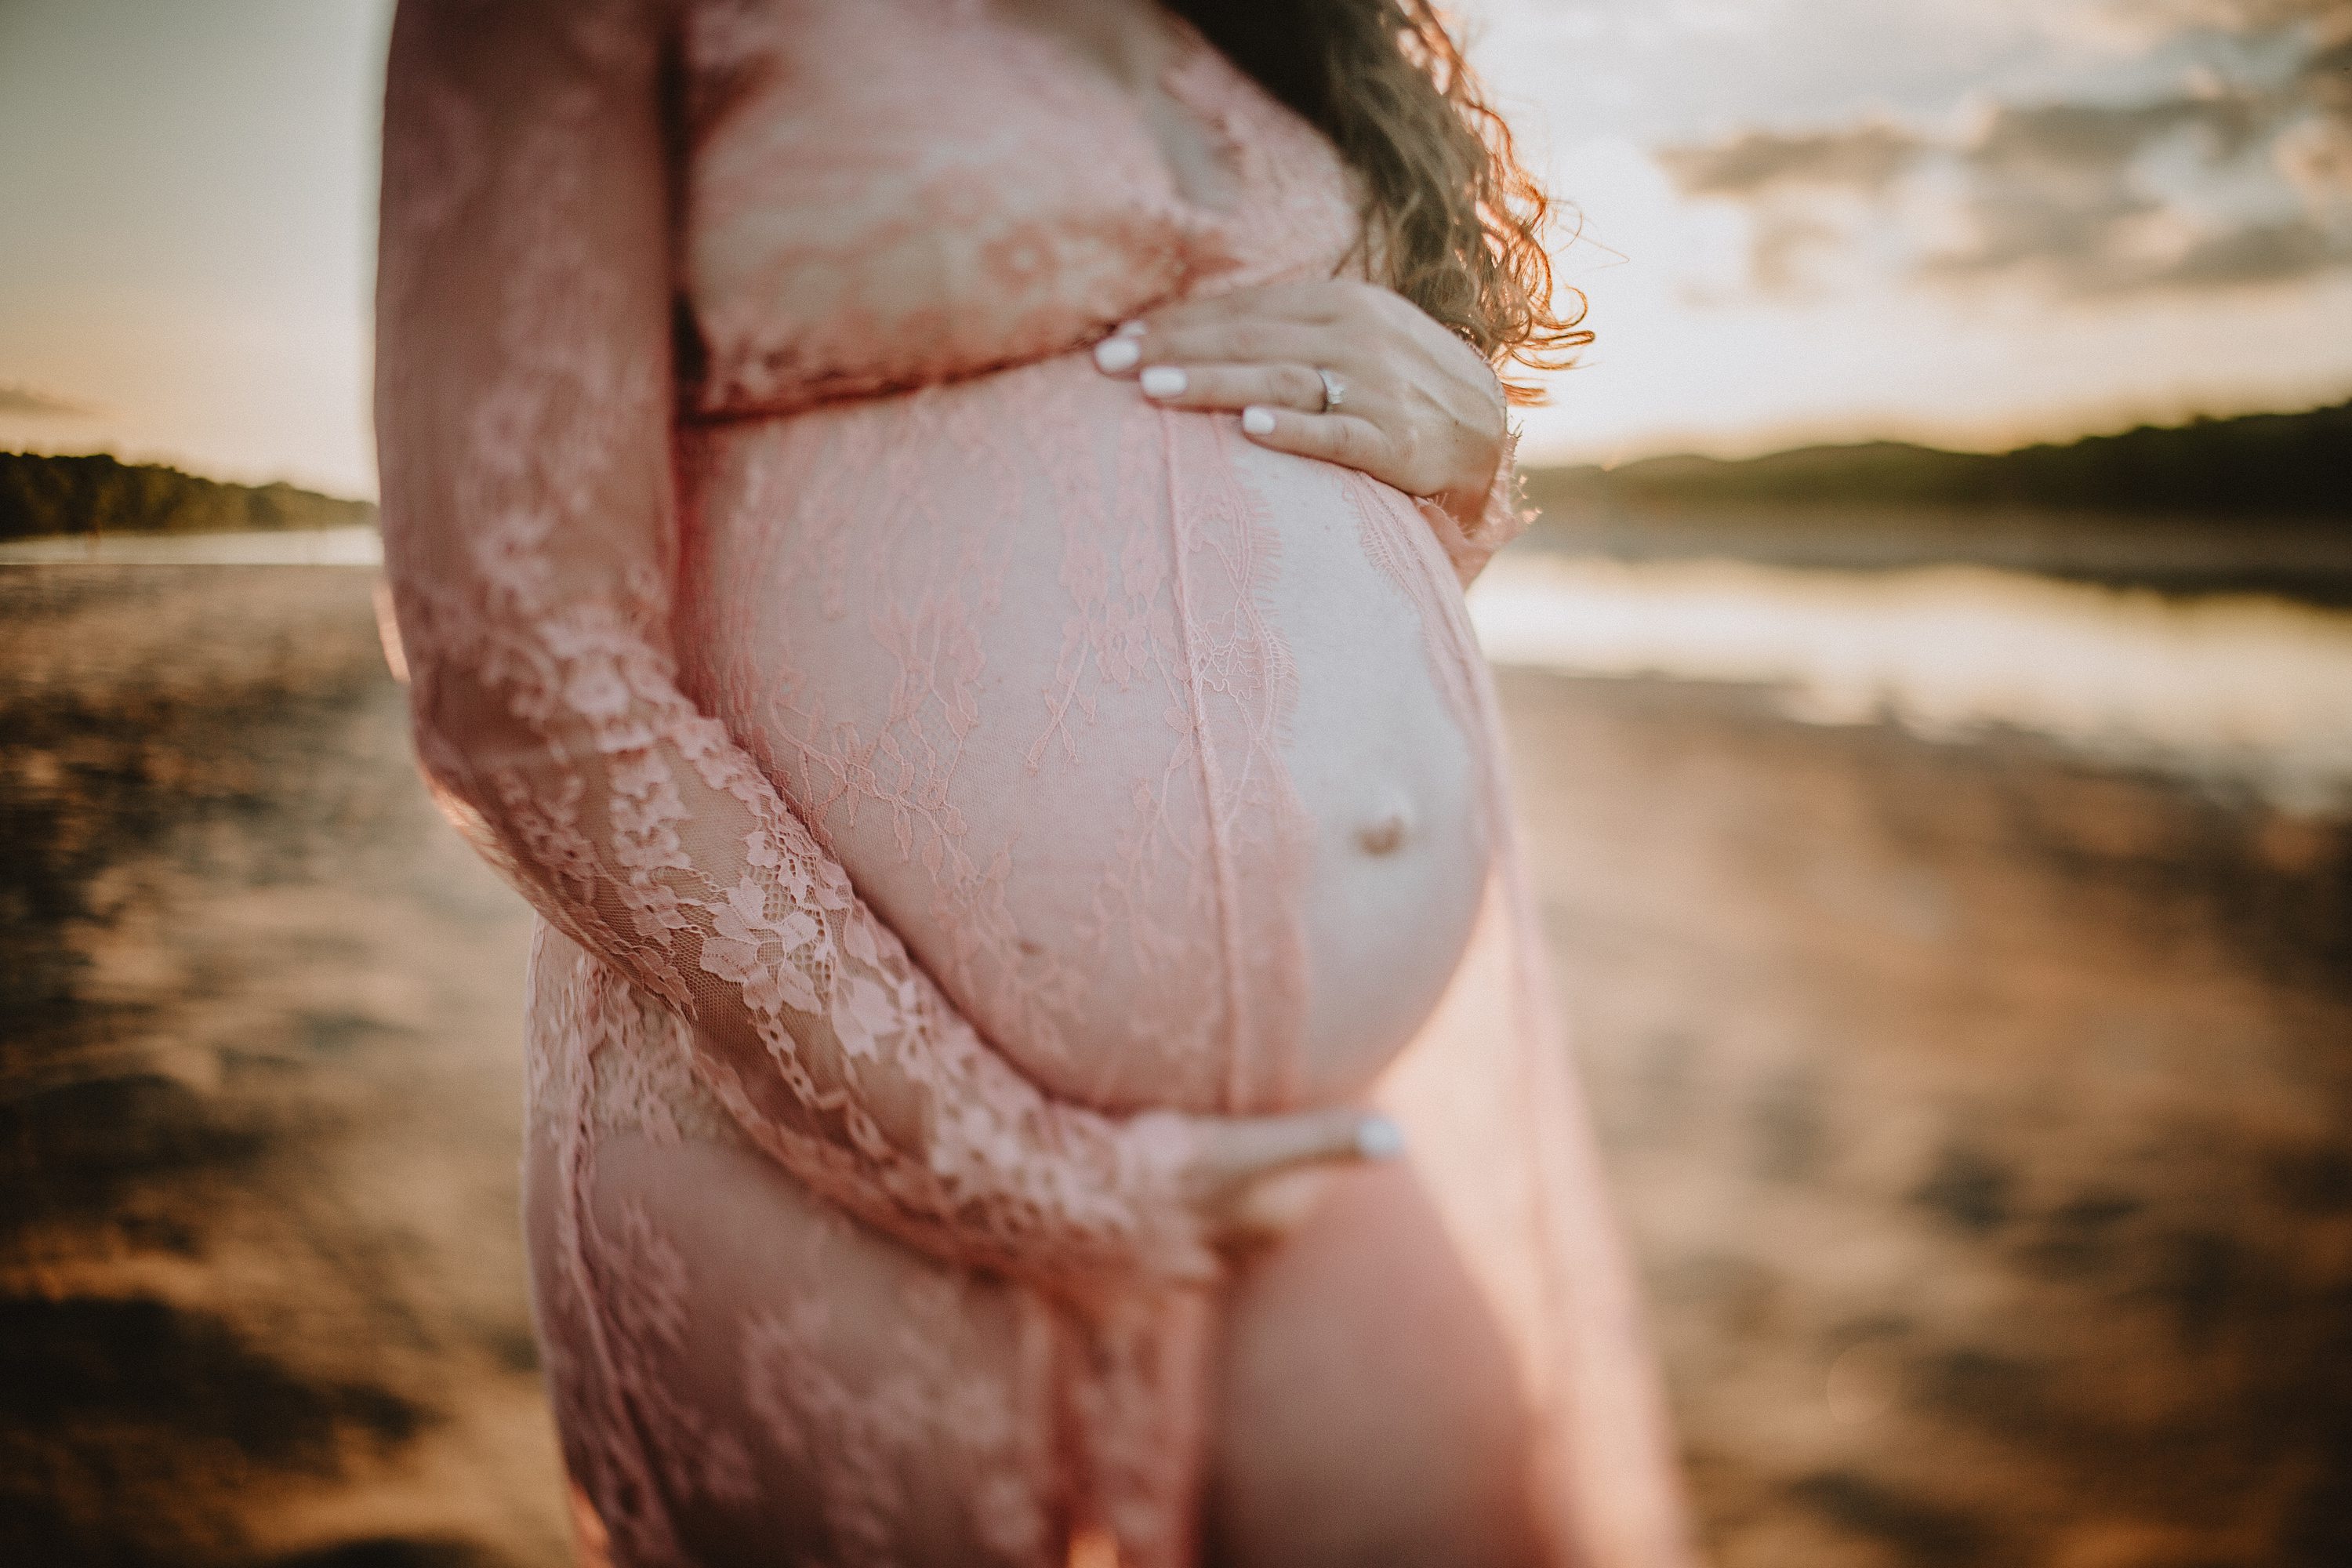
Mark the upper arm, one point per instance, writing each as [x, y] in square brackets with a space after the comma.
[523, 396]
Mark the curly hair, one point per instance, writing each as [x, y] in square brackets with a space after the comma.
[1452, 219]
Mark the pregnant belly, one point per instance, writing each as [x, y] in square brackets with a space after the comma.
[1132, 729]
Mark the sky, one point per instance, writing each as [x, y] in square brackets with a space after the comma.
[187, 251]
[1969, 221]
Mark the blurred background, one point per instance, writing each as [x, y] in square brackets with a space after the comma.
[1930, 687]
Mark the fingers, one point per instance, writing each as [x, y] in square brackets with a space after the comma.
[1233, 387]
[1253, 340]
[1424, 420]
[1312, 321]
[1235, 1152]
[1342, 439]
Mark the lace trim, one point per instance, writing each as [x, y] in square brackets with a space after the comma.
[1503, 518]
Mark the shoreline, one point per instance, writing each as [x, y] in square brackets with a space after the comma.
[354, 544]
[2308, 561]
[2300, 562]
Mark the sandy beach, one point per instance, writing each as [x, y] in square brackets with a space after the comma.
[1979, 1109]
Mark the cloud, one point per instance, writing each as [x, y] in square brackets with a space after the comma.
[1866, 157]
[2221, 185]
[2317, 154]
[2217, 156]
[2271, 253]
[2095, 199]
[2106, 137]
[24, 402]
[2247, 15]
[2220, 189]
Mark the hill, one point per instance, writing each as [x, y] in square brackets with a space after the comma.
[43, 497]
[2294, 466]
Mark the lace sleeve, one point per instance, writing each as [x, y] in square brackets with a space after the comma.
[523, 419]
[1504, 517]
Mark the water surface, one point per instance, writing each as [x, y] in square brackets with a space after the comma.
[2242, 691]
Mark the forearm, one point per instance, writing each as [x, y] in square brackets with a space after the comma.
[656, 844]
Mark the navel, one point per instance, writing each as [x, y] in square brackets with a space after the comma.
[1384, 834]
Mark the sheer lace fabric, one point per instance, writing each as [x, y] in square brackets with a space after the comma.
[872, 1250]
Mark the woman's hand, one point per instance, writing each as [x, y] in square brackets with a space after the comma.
[1417, 407]
[1249, 1180]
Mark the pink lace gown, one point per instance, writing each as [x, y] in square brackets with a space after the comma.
[940, 773]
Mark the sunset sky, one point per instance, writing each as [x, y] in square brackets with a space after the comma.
[1967, 221]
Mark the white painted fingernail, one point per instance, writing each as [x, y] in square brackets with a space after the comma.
[1259, 421]
[1377, 1138]
[1129, 329]
[1163, 381]
[1117, 353]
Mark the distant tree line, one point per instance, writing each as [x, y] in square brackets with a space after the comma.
[2263, 465]
[47, 496]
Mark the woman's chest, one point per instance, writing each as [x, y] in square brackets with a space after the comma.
[888, 194]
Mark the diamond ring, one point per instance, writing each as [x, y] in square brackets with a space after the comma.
[1335, 391]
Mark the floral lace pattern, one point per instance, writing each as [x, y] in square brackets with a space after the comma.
[1157, 963]
[933, 1296]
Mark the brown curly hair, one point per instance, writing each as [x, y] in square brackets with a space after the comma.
[1455, 219]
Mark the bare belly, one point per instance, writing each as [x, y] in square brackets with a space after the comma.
[1129, 729]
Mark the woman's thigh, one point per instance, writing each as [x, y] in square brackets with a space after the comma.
[1368, 1411]
[798, 1386]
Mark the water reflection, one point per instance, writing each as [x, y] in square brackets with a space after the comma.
[2234, 692]
[355, 546]
[2237, 692]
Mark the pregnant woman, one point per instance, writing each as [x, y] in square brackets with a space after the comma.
[929, 538]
